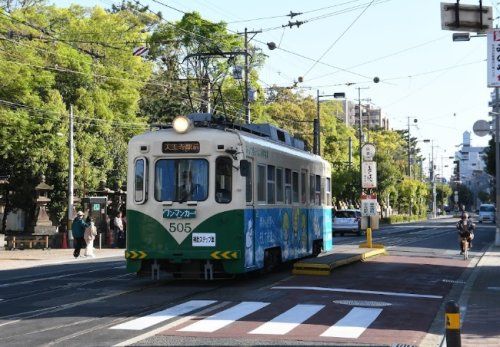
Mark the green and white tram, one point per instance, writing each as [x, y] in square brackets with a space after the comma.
[209, 198]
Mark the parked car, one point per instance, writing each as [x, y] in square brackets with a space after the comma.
[346, 221]
[486, 213]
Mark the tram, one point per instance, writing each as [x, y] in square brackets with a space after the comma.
[208, 198]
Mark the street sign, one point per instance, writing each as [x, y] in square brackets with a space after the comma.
[369, 205]
[493, 55]
[368, 151]
[470, 18]
[481, 128]
[369, 174]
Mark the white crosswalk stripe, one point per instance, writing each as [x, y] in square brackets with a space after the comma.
[354, 323]
[351, 326]
[288, 320]
[226, 317]
[158, 317]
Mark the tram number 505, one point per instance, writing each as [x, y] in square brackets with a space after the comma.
[179, 227]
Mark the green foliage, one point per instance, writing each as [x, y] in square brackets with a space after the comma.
[83, 68]
[403, 218]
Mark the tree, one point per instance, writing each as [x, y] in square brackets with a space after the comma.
[66, 66]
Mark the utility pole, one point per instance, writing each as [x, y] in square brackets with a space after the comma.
[497, 165]
[409, 150]
[317, 128]
[433, 178]
[247, 72]
[70, 177]
[360, 133]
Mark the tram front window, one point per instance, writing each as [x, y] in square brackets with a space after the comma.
[181, 180]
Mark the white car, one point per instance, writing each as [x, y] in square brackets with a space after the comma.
[486, 213]
[346, 221]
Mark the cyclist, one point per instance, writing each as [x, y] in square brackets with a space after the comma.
[465, 230]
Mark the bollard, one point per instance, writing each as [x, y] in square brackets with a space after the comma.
[100, 240]
[369, 240]
[64, 241]
[452, 321]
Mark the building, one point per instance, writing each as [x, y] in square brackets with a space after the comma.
[372, 116]
[471, 167]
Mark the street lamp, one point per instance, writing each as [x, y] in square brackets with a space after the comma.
[317, 122]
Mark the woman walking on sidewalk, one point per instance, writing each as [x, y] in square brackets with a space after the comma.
[89, 236]
[78, 230]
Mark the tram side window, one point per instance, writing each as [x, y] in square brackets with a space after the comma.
[328, 191]
[140, 195]
[317, 197]
[303, 187]
[246, 171]
[288, 186]
[271, 184]
[279, 185]
[261, 183]
[295, 186]
[223, 180]
[312, 189]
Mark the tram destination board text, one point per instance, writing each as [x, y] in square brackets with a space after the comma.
[181, 147]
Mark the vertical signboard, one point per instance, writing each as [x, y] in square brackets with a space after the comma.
[494, 58]
[369, 174]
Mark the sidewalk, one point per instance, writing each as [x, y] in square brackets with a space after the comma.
[19, 259]
[481, 315]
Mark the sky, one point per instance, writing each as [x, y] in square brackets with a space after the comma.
[423, 74]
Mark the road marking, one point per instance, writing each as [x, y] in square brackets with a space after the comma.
[288, 320]
[359, 291]
[226, 317]
[354, 323]
[161, 316]
[171, 325]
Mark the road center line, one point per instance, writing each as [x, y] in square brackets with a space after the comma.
[359, 291]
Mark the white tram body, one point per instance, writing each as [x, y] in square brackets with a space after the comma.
[223, 199]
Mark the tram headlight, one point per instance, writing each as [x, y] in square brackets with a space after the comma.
[182, 124]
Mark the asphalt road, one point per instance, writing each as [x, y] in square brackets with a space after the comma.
[389, 300]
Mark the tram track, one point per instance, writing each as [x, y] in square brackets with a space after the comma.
[124, 314]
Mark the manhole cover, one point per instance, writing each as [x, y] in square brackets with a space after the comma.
[362, 303]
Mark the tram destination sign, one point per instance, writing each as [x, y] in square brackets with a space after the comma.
[181, 147]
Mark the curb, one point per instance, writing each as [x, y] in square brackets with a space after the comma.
[318, 269]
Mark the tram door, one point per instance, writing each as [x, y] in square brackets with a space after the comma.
[304, 200]
[247, 172]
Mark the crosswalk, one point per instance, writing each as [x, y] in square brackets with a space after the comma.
[350, 326]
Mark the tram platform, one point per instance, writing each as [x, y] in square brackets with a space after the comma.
[340, 255]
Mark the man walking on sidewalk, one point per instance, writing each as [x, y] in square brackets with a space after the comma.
[78, 229]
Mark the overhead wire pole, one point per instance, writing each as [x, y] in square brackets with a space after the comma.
[247, 70]
[70, 177]
[497, 165]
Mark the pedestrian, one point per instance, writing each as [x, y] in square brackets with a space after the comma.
[119, 232]
[465, 229]
[78, 230]
[89, 236]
